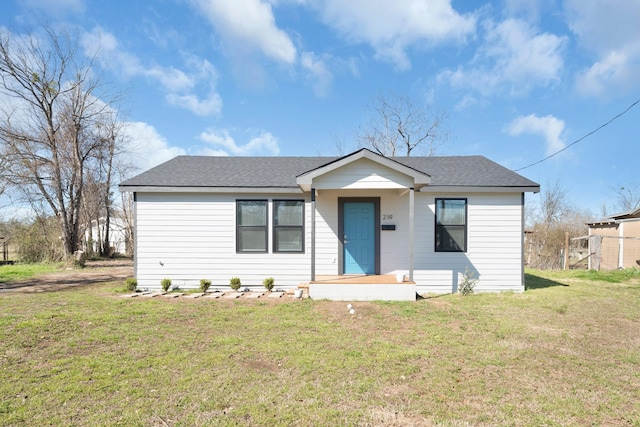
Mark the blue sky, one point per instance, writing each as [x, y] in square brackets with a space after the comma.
[517, 79]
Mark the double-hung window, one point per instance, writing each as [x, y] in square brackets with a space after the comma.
[288, 226]
[451, 225]
[251, 224]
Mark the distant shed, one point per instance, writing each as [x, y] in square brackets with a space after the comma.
[618, 242]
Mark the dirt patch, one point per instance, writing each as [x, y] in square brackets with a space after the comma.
[94, 272]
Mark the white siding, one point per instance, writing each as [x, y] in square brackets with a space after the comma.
[188, 237]
[362, 174]
[327, 233]
[494, 245]
[494, 240]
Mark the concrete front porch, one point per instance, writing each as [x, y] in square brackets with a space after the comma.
[384, 287]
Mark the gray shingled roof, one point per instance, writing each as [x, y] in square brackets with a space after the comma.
[281, 172]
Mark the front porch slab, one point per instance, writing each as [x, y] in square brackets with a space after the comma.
[362, 288]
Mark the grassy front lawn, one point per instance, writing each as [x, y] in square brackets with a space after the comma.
[565, 352]
[26, 271]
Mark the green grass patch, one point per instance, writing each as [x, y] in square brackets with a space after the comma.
[610, 276]
[26, 271]
[565, 352]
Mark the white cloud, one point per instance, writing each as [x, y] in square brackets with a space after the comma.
[183, 94]
[514, 57]
[263, 144]
[181, 86]
[248, 25]
[391, 27]
[201, 107]
[318, 71]
[145, 147]
[610, 29]
[548, 127]
[617, 68]
[169, 77]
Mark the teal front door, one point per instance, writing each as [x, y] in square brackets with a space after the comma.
[359, 238]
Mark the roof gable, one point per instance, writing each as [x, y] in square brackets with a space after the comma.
[416, 178]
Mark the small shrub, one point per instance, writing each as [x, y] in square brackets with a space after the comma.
[235, 283]
[131, 284]
[204, 285]
[468, 283]
[166, 284]
[268, 283]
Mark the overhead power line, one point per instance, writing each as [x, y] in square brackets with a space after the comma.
[583, 137]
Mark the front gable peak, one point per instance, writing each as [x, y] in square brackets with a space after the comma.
[363, 169]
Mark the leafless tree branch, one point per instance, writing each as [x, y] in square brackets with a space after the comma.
[400, 127]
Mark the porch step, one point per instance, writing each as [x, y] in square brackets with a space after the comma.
[363, 291]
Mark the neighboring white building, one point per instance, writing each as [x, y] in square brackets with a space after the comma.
[302, 219]
[96, 231]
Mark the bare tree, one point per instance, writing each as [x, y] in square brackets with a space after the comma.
[127, 219]
[50, 130]
[4, 165]
[627, 197]
[340, 145]
[400, 126]
[554, 203]
[555, 217]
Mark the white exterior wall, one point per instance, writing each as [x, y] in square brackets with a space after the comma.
[188, 237]
[494, 245]
[327, 233]
[494, 239]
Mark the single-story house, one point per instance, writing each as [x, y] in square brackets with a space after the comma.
[618, 243]
[320, 221]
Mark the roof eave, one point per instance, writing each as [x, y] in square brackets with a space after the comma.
[479, 189]
[209, 189]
